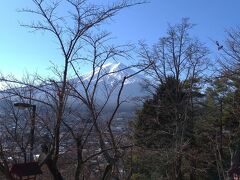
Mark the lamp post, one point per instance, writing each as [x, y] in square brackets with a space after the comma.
[33, 118]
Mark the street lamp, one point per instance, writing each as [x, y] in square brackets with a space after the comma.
[33, 118]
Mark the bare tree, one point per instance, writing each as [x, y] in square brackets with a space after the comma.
[72, 32]
[97, 86]
[84, 18]
[230, 52]
[183, 58]
[229, 58]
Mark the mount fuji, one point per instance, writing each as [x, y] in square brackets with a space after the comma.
[107, 81]
[109, 78]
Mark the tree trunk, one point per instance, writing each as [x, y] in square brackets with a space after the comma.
[54, 170]
[78, 171]
[178, 171]
[79, 161]
[106, 174]
[193, 172]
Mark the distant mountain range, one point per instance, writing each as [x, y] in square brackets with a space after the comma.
[112, 76]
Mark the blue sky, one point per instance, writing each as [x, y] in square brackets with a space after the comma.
[21, 51]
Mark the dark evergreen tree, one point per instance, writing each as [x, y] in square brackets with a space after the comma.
[165, 124]
[161, 119]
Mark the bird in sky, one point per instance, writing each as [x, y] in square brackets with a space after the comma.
[219, 46]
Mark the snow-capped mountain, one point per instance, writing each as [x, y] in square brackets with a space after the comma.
[114, 72]
[110, 77]
[107, 80]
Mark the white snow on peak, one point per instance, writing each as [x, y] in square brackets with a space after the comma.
[113, 67]
[113, 73]
[111, 76]
[117, 67]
